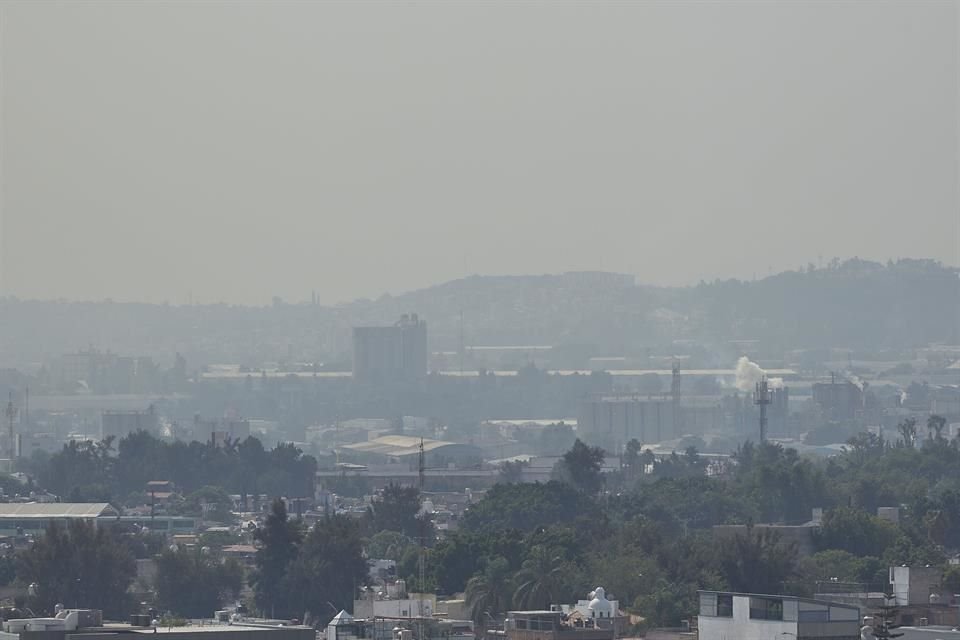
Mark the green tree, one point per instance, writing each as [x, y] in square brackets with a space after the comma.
[863, 447]
[194, 584]
[328, 570]
[464, 553]
[397, 508]
[279, 542]
[540, 579]
[756, 561]
[855, 531]
[632, 460]
[216, 540]
[842, 566]
[951, 579]
[211, 502]
[8, 569]
[667, 603]
[79, 465]
[81, 566]
[935, 425]
[511, 472]
[388, 545]
[908, 432]
[488, 593]
[580, 468]
[529, 506]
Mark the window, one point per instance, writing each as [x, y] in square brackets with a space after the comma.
[724, 605]
[814, 615]
[766, 609]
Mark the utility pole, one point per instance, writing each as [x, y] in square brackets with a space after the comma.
[423, 541]
[761, 398]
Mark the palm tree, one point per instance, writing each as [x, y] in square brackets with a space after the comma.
[908, 431]
[936, 424]
[488, 593]
[539, 580]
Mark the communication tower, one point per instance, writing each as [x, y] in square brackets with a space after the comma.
[675, 398]
[421, 560]
[11, 414]
[761, 398]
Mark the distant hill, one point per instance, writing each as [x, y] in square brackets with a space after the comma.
[860, 304]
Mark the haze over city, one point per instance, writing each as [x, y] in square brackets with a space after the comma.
[472, 320]
[239, 151]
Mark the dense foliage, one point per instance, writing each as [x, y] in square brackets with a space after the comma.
[648, 538]
[194, 582]
[80, 565]
[308, 575]
[645, 533]
[99, 471]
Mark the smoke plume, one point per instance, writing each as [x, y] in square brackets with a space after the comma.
[749, 373]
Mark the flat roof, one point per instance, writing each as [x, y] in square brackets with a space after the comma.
[28, 510]
[928, 633]
[227, 373]
[827, 603]
[221, 628]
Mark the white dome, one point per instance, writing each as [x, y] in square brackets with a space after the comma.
[600, 605]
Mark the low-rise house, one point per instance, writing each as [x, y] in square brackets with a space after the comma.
[750, 616]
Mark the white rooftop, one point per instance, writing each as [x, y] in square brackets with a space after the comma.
[29, 510]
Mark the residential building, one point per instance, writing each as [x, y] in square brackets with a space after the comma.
[839, 400]
[120, 424]
[378, 603]
[344, 626]
[87, 624]
[748, 616]
[915, 585]
[553, 625]
[392, 354]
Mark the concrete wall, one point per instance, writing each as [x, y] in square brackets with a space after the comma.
[742, 627]
[617, 421]
[913, 585]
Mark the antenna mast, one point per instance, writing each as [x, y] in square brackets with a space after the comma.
[423, 541]
[761, 398]
[11, 414]
[462, 348]
[675, 398]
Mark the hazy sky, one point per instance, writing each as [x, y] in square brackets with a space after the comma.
[240, 150]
